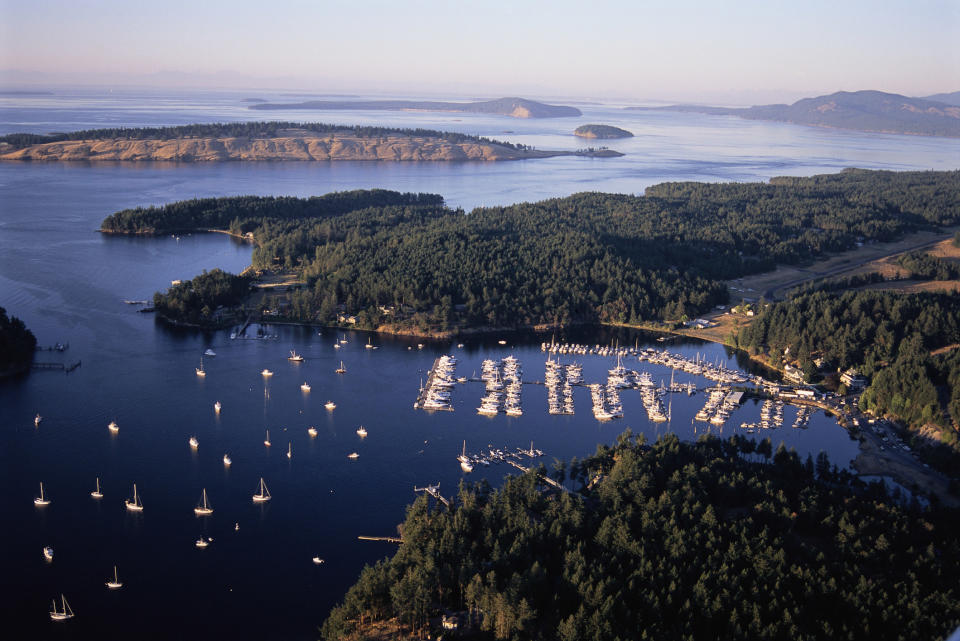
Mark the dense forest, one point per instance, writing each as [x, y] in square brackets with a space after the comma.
[17, 344]
[887, 336]
[240, 130]
[407, 261]
[197, 301]
[923, 266]
[707, 540]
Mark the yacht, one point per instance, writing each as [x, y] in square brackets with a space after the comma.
[42, 499]
[63, 613]
[460, 345]
[296, 358]
[336, 346]
[353, 455]
[266, 441]
[330, 405]
[317, 560]
[361, 431]
[226, 460]
[204, 508]
[465, 464]
[48, 553]
[305, 387]
[194, 443]
[97, 494]
[203, 542]
[501, 342]
[217, 407]
[209, 352]
[312, 431]
[289, 450]
[113, 427]
[134, 505]
[341, 369]
[114, 583]
[263, 494]
[36, 420]
[266, 373]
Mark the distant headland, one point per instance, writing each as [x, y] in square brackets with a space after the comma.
[601, 132]
[873, 111]
[514, 107]
[269, 141]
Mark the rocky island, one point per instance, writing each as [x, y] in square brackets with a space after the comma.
[268, 142]
[514, 107]
[604, 132]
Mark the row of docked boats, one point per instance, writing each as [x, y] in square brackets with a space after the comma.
[440, 383]
[494, 455]
[503, 379]
[720, 404]
[560, 380]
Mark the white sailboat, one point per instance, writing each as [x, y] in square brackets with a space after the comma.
[305, 387]
[266, 441]
[296, 358]
[289, 449]
[465, 463]
[341, 369]
[200, 371]
[63, 613]
[134, 505]
[217, 407]
[263, 494]
[204, 508]
[362, 431]
[330, 405]
[114, 584]
[42, 499]
[97, 494]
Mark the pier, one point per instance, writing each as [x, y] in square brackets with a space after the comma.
[434, 491]
[545, 478]
[385, 539]
[66, 367]
[435, 395]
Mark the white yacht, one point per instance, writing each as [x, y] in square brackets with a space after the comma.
[217, 407]
[362, 431]
[266, 373]
[194, 443]
[113, 427]
[305, 387]
[134, 505]
[263, 494]
[209, 352]
[312, 431]
[204, 508]
[36, 420]
[353, 455]
[226, 460]
[296, 358]
[63, 613]
[114, 583]
[48, 553]
[203, 542]
[317, 560]
[42, 499]
[330, 405]
[97, 494]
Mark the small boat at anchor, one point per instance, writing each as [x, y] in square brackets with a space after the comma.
[97, 494]
[48, 553]
[362, 432]
[200, 371]
[312, 431]
[330, 405]
[217, 407]
[263, 494]
[296, 358]
[226, 460]
[194, 443]
[36, 420]
[113, 427]
[209, 352]
[341, 369]
[266, 441]
[353, 455]
[42, 499]
[134, 504]
[204, 508]
[465, 464]
[289, 450]
[203, 542]
[63, 613]
[305, 387]
[266, 373]
[317, 560]
[114, 583]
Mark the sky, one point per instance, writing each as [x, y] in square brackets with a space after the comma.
[731, 51]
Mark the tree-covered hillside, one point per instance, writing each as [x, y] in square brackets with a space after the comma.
[17, 344]
[679, 541]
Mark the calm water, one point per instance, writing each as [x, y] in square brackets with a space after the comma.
[68, 283]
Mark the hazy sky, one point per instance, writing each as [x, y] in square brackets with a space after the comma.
[675, 49]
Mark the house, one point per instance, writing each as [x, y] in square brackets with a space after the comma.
[793, 374]
[347, 318]
[853, 379]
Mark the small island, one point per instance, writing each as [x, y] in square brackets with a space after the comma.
[604, 132]
[269, 141]
[17, 345]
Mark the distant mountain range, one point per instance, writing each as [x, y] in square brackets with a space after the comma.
[515, 107]
[873, 111]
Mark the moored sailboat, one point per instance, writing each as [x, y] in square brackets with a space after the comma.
[204, 508]
[134, 504]
[114, 584]
[97, 494]
[64, 613]
[263, 494]
[42, 499]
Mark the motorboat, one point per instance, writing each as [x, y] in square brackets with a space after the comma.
[353, 455]
[330, 405]
[266, 373]
[312, 431]
[194, 443]
[209, 352]
[317, 560]
[48, 553]
[217, 407]
[226, 460]
[113, 427]
[36, 420]
[203, 542]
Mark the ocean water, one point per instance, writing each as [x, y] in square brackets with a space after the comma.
[68, 283]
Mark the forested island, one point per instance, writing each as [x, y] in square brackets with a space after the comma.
[202, 300]
[266, 141]
[17, 345]
[873, 111]
[514, 107]
[719, 539]
[601, 132]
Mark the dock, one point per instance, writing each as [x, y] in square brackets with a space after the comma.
[434, 491]
[385, 539]
[546, 479]
[66, 367]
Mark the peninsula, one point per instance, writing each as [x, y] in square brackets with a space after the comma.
[873, 111]
[269, 141]
[603, 132]
[514, 107]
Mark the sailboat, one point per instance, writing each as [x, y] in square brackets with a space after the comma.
[217, 407]
[36, 420]
[134, 505]
[362, 431]
[41, 500]
[296, 358]
[263, 494]
[369, 345]
[266, 441]
[200, 371]
[63, 613]
[330, 405]
[115, 583]
[289, 449]
[465, 463]
[97, 494]
[305, 387]
[341, 369]
[113, 427]
[204, 508]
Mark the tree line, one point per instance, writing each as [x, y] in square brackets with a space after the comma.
[717, 539]
[196, 301]
[17, 343]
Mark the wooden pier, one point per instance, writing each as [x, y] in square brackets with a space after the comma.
[434, 491]
[546, 479]
[386, 539]
[66, 367]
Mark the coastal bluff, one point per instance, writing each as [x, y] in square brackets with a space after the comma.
[290, 146]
